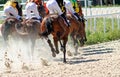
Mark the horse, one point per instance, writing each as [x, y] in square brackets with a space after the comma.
[82, 29]
[32, 27]
[77, 31]
[55, 25]
[11, 25]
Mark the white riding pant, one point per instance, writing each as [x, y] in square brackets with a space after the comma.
[10, 10]
[53, 7]
[69, 7]
[32, 11]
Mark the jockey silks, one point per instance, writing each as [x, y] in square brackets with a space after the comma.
[75, 5]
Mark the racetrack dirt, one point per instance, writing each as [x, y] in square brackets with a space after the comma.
[100, 60]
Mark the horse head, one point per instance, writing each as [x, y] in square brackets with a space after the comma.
[41, 10]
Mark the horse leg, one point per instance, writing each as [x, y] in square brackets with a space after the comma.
[64, 46]
[76, 48]
[75, 42]
[51, 46]
[32, 48]
[5, 32]
[56, 44]
[76, 45]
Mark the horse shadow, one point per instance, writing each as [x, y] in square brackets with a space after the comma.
[77, 60]
[95, 51]
[88, 51]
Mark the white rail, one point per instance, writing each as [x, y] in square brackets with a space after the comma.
[92, 15]
[91, 22]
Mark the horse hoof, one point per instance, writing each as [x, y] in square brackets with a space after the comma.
[65, 61]
[57, 51]
[53, 50]
[62, 49]
[53, 54]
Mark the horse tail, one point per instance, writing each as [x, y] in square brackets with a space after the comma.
[49, 28]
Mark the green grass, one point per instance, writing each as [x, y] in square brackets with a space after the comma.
[99, 36]
[1, 8]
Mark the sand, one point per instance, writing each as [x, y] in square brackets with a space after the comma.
[99, 60]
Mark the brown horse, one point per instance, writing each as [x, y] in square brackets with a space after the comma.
[55, 25]
[77, 31]
[82, 23]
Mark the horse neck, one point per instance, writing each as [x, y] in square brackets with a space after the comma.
[80, 11]
[41, 10]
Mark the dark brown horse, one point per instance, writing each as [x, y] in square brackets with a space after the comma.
[55, 25]
[41, 10]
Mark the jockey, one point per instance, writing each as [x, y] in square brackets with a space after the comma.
[57, 6]
[31, 10]
[10, 9]
[71, 10]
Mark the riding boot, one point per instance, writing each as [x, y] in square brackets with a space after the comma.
[64, 17]
[79, 18]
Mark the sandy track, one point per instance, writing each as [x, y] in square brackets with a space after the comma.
[100, 60]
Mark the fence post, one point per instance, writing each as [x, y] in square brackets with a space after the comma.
[90, 24]
[118, 22]
[86, 23]
[95, 24]
[112, 23]
[104, 23]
